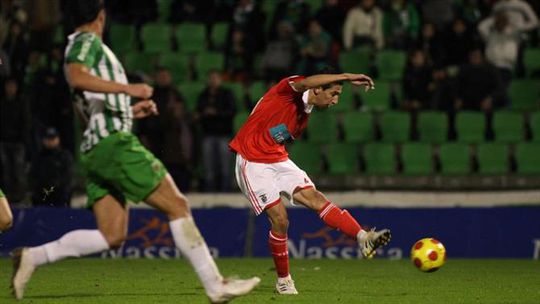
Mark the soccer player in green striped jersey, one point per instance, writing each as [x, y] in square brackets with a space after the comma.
[118, 167]
[6, 218]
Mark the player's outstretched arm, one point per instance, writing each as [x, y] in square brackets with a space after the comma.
[79, 77]
[316, 81]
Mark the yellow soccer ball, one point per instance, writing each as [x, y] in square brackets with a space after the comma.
[428, 254]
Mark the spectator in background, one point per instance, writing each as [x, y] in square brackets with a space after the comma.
[520, 17]
[438, 12]
[248, 17]
[280, 54]
[239, 56]
[401, 24]
[215, 112]
[331, 17]
[458, 43]
[478, 85]
[520, 14]
[177, 154]
[432, 43]
[192, 11]
[14, 134]
[51, 100]
[363, 26]
[314, 49]
[297, 12]
[151, 128]
[44, 16]
[17, 49]
[417, 82]
[51, 173]
[502, 44]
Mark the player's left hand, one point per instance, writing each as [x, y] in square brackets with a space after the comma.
[144, 109]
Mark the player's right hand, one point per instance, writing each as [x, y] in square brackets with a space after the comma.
[139, 90]
[361, 79]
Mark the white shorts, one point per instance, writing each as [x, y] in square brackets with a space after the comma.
[263, 184]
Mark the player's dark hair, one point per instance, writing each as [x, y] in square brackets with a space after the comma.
[83, 11]
[330, 70]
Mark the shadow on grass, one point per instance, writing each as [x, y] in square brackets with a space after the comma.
[106, 295]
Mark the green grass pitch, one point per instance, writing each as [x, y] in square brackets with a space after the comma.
[318, 281]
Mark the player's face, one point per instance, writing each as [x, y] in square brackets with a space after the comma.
[329, 97]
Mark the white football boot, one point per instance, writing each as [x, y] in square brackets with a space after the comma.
[286, 286]
[232, 288]
[23, 268]
[371, 240]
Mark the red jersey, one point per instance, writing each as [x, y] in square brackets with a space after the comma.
[281, 107]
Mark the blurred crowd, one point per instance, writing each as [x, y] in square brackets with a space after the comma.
[462, 54]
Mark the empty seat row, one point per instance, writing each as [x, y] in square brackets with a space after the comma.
[160, 37]
[416, 159]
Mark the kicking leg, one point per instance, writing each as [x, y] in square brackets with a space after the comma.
[111, 217]
[188, 239]
[342, 220]
[277, 241]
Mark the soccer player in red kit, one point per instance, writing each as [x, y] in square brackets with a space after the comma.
[264, 171]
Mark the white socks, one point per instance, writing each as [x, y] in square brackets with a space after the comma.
[76, 243]
[192, 245]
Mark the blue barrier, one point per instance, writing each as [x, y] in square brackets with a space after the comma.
[509, 232]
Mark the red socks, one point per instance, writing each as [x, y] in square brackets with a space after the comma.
[339, 219]
[280, 253]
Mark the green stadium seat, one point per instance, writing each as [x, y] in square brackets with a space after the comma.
[535, 126]
[239, 120]
[122, 38]
[433, 127]
[257, 90]
[220, 31]
[342, 159]
[417, 159]
[492, 158]
[378, 99]
[164, 10]
[307, 156]
[207, 61]
[508, 126]
[58, 36]
[238, 92]
[191, 92]
[178, 64]
[355, 61]
[455, 159]
[191, 37]
[395, 127]
[139, 62]
[346, 100]
[314, 5]
[528, 158]
[531, 60]
[524, 94]
[470, 127]
[156, 37]
[322, 128]
[379, 158]
[358, 127]
[391, 64]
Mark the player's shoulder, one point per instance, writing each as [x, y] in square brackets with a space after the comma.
[86, 38]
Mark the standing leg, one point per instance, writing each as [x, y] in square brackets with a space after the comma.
[112, 222]
[342, 220]
[188, 239]
[277, 241]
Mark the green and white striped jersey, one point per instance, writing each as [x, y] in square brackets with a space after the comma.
[107, 113]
